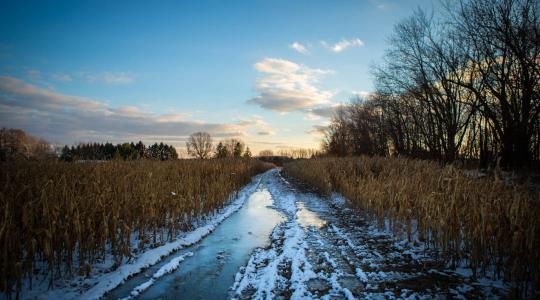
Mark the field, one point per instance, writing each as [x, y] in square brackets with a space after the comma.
[60, 218]
[488, 225]
[120, 228]
[373, 149]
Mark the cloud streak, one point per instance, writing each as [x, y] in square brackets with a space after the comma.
[113, 78]
[258, 124]
[318, 130]
[326, 111]
[285, 86]
[108, 77]
[296, 46]
[343, 45]
[71, 119]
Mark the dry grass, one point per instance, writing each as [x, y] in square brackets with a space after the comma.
[487, 224]
[60, 213]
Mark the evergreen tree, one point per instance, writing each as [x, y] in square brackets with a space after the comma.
[125, 151]
[66, 154]
[238, 149]
[161, 151]
[141, 149]
[247, 154]
[221, 151]
[173, 153]
[109, 151]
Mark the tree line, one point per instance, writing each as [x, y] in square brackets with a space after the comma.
[16, 144]
[200, 145]
[463, 84]
[125, 151]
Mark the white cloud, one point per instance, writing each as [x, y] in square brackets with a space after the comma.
[296, 46]
[309, 116]
[175, 117]
[71, 119]
[19, 93]
[114, 78]
[318, 130]
[343, 45]
[260, 126]
[286, 86]
[117, 78]
[326, 111]
[381, 4]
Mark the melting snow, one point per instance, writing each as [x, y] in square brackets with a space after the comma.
[165, 269]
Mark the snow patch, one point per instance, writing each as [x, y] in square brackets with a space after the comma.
[165, 269]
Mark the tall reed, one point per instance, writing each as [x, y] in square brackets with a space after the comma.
[67, 215]
[489, 225]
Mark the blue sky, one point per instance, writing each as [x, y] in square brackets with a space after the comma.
[269, 72]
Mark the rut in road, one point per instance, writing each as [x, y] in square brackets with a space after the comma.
[325, 250]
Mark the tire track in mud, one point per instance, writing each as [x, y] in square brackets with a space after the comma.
[325, 250]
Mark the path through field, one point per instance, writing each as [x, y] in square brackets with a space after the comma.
[287, 243]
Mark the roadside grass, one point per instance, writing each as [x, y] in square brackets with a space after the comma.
[488, 225]
[63, 217]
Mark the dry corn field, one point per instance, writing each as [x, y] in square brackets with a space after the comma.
[487, 225]
[60, 218]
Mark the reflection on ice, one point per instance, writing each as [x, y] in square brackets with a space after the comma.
[306, 217]
[209, 272]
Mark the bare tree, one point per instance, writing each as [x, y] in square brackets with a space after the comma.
[420, 70]
[464, 85]
[502, 39]
[16, 144]
[199, 145]
[299, 153]
[337, 137]
[266, 152]
[234, 147]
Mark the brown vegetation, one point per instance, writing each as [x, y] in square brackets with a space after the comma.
[54, 212]
[490, 225]
[15, 144]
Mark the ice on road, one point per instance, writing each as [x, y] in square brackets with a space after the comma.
[325, 250]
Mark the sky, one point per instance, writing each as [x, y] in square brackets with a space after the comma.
[268, 72]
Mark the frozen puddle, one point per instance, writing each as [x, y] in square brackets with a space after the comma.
[307, 218]
[206, 270]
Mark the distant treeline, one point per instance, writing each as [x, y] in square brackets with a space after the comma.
[15, 144]
[125, 151]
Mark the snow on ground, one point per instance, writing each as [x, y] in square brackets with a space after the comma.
[104, 279]
[169, 267]
[325, 250]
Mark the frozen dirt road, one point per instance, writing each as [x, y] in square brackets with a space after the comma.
[287, 243]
